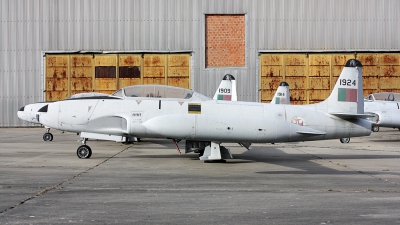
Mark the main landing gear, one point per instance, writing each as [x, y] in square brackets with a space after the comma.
[215, 153]
[345, 140]
[47, 136]
[84, 151]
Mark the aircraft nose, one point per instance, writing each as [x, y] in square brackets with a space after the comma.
[22, 114]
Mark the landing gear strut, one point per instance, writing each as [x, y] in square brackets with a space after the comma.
[47, 136]
[216, 153]
[84, 151]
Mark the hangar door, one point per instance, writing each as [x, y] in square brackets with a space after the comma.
[311, 77]
[68, 74]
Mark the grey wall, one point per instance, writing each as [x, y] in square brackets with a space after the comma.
[30, 28]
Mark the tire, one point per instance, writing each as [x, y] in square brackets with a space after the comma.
[345, 140]
[375, 128]
[84, 152]
[47, 137]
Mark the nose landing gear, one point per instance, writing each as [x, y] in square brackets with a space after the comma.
[47, 136]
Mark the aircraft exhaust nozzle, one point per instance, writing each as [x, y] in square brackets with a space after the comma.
[228, 77]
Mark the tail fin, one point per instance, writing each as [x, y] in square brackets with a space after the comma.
[282, 94]
[346, 99]
[227, 89]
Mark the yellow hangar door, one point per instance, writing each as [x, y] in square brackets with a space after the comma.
[56, 77]
[276, 68]
[105, 74]
[69, 74]
[179, 70]
[129, 70]
[311, 76]
[81, 67]
[381, 72]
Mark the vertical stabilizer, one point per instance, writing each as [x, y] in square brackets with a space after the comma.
[227, 89]
[347, 95]
[282, 94]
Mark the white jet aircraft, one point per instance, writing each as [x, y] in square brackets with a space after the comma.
[182, 114]
[226, 91]
[385, 108]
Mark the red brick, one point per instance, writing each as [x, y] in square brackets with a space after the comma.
[225, 38]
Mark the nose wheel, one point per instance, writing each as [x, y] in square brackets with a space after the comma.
[47, 137]
[84, 152]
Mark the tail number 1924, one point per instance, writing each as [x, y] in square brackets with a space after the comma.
[347, 82]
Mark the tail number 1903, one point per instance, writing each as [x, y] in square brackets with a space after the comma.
[224, 90]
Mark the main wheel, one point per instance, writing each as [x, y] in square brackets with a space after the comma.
[84, 152]
[344, 140]
[47, 137]
[375, 128]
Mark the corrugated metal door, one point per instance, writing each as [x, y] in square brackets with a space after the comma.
[57, 77]
[105, 79]
[68, 74]
[154, 69]
[81, 68]
[381, 72]
[311, 77]
[319, 77]
[179, 70]
[291, 68]
[296, 75]
[324, 70]
[130, 72]
[271, 74]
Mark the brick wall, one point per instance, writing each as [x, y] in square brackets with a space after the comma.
[225, 40]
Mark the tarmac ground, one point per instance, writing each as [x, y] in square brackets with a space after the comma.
[148, 182]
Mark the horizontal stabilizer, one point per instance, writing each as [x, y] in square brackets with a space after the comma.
[351, 115]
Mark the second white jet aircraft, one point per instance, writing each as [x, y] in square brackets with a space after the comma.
[385, 108]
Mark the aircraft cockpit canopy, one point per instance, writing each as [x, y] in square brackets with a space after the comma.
[383, 96]
[154, 91]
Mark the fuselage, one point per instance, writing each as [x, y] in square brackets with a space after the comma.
[387, 112]
[209, 120]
